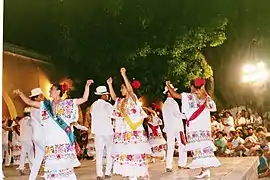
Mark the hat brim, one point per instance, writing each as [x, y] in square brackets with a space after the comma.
[33, 95]
[164, 92]
[103, 93]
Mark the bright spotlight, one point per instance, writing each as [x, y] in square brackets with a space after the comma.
[249, 68]
[246, 78]
[261, 65]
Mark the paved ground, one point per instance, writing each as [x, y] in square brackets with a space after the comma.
[87, 171]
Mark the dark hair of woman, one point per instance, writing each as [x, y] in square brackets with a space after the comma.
[59, 87]
[145, 126]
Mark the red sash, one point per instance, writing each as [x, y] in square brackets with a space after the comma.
[197, 113]
[154, 129]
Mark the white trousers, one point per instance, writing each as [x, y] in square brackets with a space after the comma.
[39, 156]
[27, 151]
[6, 151]
[182, 161]
[102, 141]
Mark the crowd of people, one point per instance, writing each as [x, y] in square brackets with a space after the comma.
[245, 134]
[126, 136]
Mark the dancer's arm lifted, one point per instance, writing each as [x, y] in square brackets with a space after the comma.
[26, 100]
[128, 85]
[112, 93]
[85, 94]
[173, 93]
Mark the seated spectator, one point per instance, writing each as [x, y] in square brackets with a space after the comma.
[240, 119]
[220, 126]
[236, 147]
[220, 143]
[266, 143]
[263, 166]
[260, 134]
[251, 142]
[257, 120]
[267, 172]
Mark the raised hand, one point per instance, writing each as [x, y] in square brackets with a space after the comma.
[89, 82]
[168, 83]
[109, 81]
[17, 92]
[123, 71]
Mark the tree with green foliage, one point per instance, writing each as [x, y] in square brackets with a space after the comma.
[154, 40]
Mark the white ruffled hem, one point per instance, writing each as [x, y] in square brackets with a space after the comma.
[199, 145]
[141, 148]
[130, 171]
[159, 154]
[204, 163]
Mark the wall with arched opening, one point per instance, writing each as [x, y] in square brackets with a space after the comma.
[24, 73]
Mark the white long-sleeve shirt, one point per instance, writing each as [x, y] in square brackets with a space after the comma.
[101, 118]
[172, 116]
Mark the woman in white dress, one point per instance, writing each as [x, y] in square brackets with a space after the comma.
[156, 140]
[197, 107]
[130, 143]
[57, 115]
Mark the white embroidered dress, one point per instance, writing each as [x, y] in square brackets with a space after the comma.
[156, 140]
[60, 155]
[198, 132]
[130, 146]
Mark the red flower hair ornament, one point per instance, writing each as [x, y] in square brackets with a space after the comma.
[64, 87]
[199, 82]
[155, 105]
[136, 84]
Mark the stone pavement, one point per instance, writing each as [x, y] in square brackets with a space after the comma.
[232, 168]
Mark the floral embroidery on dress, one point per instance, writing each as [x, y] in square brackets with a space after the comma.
[159, 148]
[44, 114]
[131, 160]
[151, 136]
[198, 136]
[203, 153]
[66, 109]
[60, 151]
[132, 137]
[131, 108]
[58, 174]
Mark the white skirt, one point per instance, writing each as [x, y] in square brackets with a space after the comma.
[129, 153]
[63, 174]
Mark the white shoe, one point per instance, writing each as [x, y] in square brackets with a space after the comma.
[205, 174]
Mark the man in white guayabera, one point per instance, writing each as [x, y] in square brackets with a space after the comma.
[26, 141]
[102, 127]
[174, 128]
[37, 133]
